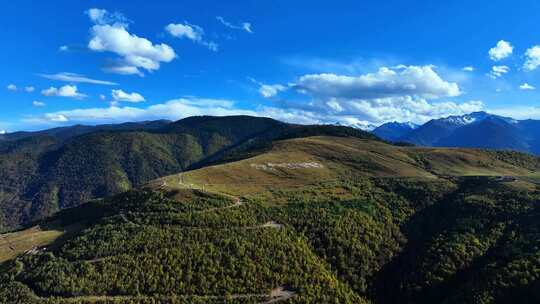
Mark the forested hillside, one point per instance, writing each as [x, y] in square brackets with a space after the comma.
[284, 213]
[49, 171]
[378, 240]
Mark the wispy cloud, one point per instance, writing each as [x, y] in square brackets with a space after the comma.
[37, 103]
[72, 77]
[526, 87]
[192, 32]
[268, 90]
[498, 71]
[244, 26]
[11, 87]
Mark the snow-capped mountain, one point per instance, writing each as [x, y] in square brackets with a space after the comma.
[477, 129]
[394, 130]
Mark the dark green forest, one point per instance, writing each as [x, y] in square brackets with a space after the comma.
[397, 240]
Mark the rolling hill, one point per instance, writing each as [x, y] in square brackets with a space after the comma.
[307, 160]
[57, 169]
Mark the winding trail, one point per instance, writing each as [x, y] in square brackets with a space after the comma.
[237, 203]
[276, 295]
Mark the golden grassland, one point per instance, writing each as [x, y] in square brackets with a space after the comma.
[25, 241]
[339, 158]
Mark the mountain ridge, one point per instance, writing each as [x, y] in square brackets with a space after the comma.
[474, 130]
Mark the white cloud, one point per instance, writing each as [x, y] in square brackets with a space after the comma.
[420, 81]
[38, 104]
[173, 109]
[244, 26]
[72, 77]
[55, 117]
[12, 87]
[502, 50]
[136, 53]
[102, 97]
[400, 93]
[532, 60]
[123, 70]
[65, 91]
[101, 16]
[468, 69]
[2, 132]
[498, 71]
[271, 90]
[416, 111]
[518, 112]
[119, 95]
[29, 89]
[191, 32]
[268, 90]
[63, 48]
[526, 86]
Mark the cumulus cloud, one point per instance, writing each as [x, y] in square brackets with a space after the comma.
[468, 69]
[402, 93]
[63, 48]
[420, 81]
[65, 91]
[72, 77]
[29, 89]
[38, 104]
[502, 50]
[526, 86]
[136, 53]
[11, 87]
[192, 32]
[119, 95]
[532, 58]
[244, 26]
[498, 71]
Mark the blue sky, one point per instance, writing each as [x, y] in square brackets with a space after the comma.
[352, 62]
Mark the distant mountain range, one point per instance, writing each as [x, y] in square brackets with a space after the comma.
[474, 130]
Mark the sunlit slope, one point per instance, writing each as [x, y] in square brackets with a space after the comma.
[301, 161]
